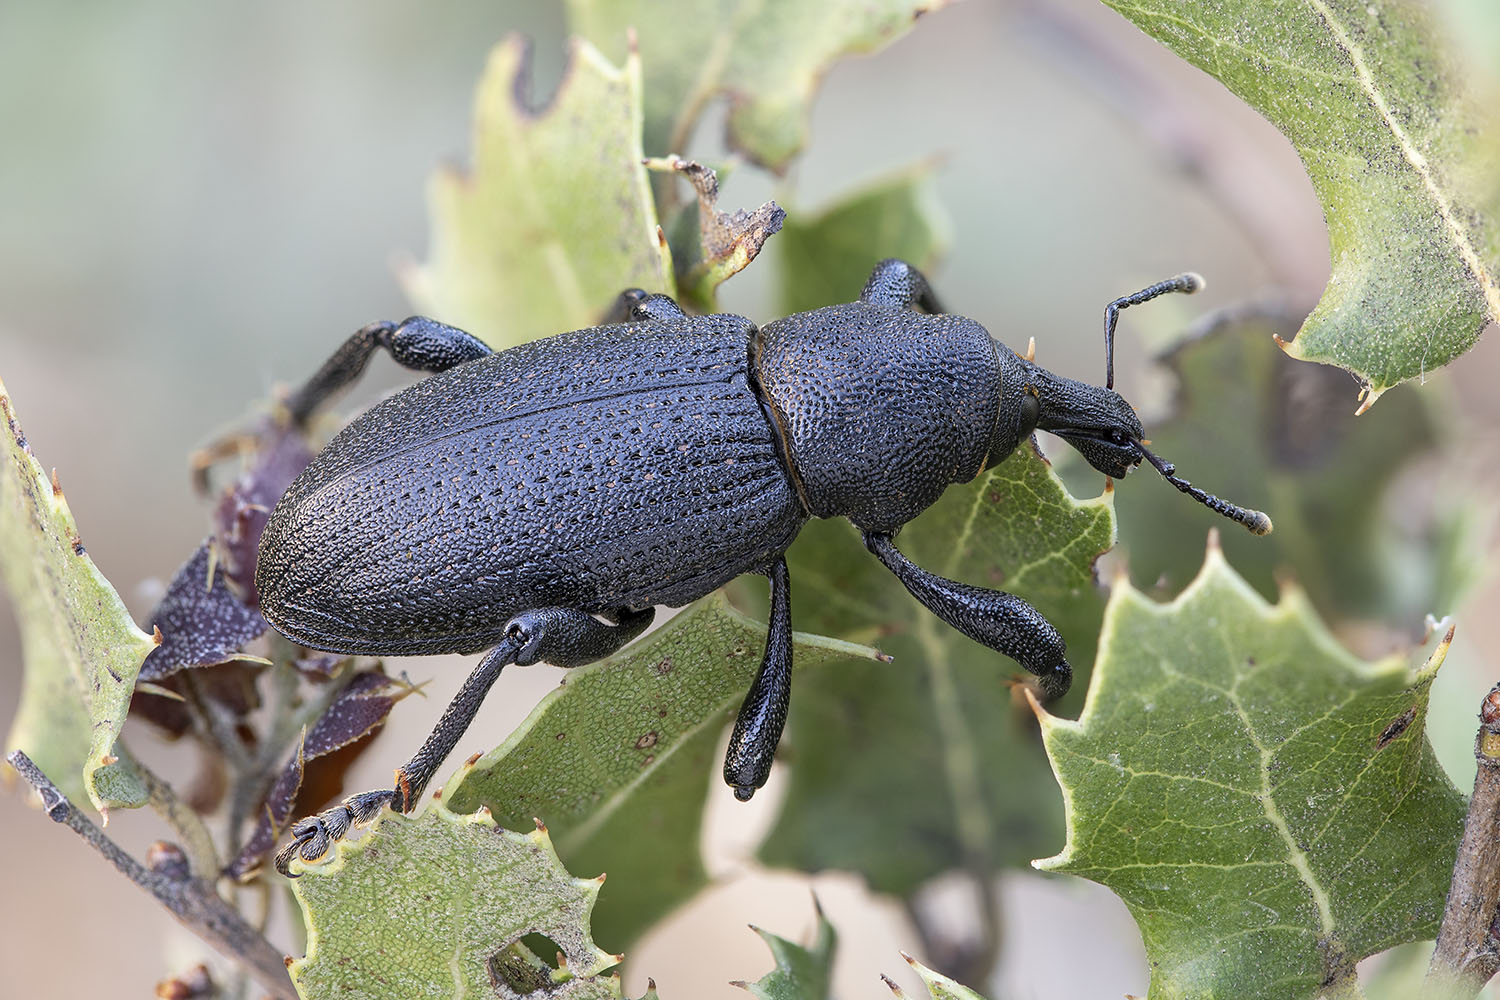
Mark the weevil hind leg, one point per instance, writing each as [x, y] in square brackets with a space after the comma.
[757, 729]
[418, 343]
[993, 618]
[894, 282]
[565, 637]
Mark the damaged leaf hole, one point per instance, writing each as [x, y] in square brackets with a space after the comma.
[527, 967]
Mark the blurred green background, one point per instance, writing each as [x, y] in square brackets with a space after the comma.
[200, 201]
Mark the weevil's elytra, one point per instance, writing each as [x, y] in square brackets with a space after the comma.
[540, 502]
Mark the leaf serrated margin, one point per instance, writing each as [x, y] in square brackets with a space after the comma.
[1215, 571]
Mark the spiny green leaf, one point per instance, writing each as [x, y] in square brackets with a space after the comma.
[82, 651]
[767, 56]
[940, 730]
[1266, 805]
[939, 986]
[801, 973]
[1400, 156]
[438, 906]
[1259, 429]
[618, 760]
[827, 257]
[555, 218]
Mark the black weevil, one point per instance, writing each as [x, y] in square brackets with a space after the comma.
[516, 499]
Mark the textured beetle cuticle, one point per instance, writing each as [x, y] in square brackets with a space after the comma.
[510, 501]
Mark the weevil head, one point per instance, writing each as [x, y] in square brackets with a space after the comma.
[1098, 422]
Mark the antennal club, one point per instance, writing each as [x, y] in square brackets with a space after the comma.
[1257, 522]
[1187, 283]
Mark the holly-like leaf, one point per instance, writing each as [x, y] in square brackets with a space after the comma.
[81, 650]
[802, 972]
[1401, 157]
[1266, 805]
[827, 257]
[617, 761]
[1259, 429]
[555, 217]
[768, 57]
[939, 986]
[438, 906]
[940, 730]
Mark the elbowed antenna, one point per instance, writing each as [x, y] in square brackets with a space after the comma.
[1257, 522]
[1187, 283]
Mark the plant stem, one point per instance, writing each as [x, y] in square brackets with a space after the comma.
[192, 901]
[196, 839]
[1467, 954]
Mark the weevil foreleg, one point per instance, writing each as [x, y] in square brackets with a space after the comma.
[757, 730]
[896, 283]
[418, 343]
[565, 637]
[993, 618]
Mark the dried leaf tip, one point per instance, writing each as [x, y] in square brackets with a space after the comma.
[56, 485]
[1367, 397]
[540, 826]
[1031, 349]
[1042, 715]
[900, 995]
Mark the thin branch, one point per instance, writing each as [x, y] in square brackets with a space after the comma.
[183, 819]
[192, 901]
[1467, 954]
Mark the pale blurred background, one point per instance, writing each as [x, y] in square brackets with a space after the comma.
[199, 201]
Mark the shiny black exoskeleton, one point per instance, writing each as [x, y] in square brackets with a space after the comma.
[515, 499]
